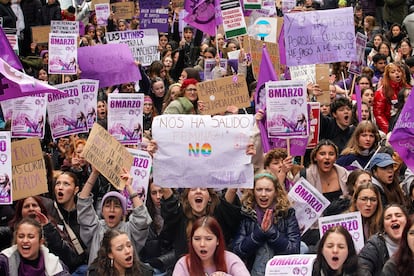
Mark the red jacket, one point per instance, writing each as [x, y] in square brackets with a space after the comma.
[382, 109]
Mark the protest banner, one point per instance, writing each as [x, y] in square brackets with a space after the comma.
[95, 2]
[220, 93]
[308, 203]
[264, 28]
[154, 15]
[63, 53]
[29, 116]
[67, 112]
[107, 155]
[7, 108]
[288, 5]
[209, 65]
[252, 4]
[290, 265]
[255, 47]
[317, 37]
[102, 14]
[204, 15]
[64, 27]
[142, 43]
[8, 50]
[314, 124]
[286, 112]
[111, 64]
[124, 10]
[210, 149]
[402, 136]
[6, 176]
[40, 34]
[350, 221]
[125, 117]
[140, 172]
[28, 169]
[89, 89]
[233, 19]
[355, 67]
[15, 84]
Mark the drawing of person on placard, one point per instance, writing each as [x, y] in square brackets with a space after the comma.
[80, 120]
[5, 187]
[91, 117]
[301, 123]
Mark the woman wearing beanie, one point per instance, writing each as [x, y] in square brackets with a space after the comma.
[187, 101]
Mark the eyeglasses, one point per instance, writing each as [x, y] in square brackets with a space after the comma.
[191, 90]
[366, 199]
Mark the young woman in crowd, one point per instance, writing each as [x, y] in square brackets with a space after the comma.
[28, 255]
[380, 247]
[116, 256]
[385, 179]
[174, 90]
[365, 114]
[361, 146]
[280, 165]
[207, 254]
[269, 226]
[404, 50]
[187, 100]
[336, 254]
[376, 42]
[402, 262]
[356, 178]
[367, 201]
[157, 93]
[149, 113]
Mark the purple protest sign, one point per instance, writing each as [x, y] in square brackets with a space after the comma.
[281, 42]
[402, 136]
[154, 15]
[355, 66]
[111, 64]
[7, 53]
[15, 84]
[204, 15]
[317, 37]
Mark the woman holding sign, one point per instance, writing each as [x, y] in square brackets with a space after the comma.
[269, 226]
[186, 102]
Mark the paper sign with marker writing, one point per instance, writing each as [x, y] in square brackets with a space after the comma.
[209, 149]
[6, 176]
[107, 155]
[350, 221]
[28, 167]
[220, 93]
[308, 203]
[290, 265]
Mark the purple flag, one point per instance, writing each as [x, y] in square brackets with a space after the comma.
[204, 15]
[358, 102]
[7, 53]
[402, 136]
[15, 84]
[111, 64]
[281, 42]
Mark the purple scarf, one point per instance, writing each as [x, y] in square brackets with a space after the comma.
[35, 268]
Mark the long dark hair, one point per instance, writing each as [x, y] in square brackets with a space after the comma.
[193, 261]
[404, 255]
[350, 266]
[103, 263]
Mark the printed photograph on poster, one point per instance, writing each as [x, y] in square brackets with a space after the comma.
[89, 90]
[125, 117]
[63, 53]
[5, 168]
[314, 120]
[29, 117]
[67, 113]
[7, 108]
[287, 111]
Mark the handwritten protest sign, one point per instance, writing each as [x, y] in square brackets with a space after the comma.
[109, 63]
[102, 14]
[28, 169]
[64, 27]
[211, 149]
[40, 34]
[62, 53]
[220, 93]
[95, 2]
[290, 265]
[308, 203]
[29, 116]
[107, 155]
[89, 89]
[233, 20]
[350, 221]
[154, 14]
[67, 112]
[255, 47]
[5, 168]
[125, 113]
[319, 36]
[140, 172]
[125, 10]
[287, 112]
[142, 43]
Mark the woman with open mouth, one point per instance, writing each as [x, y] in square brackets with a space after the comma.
[29, 255]
[336, 254]
[207, 254]
[384, 244]
[367, 201]
[116, 256]
[269, 226]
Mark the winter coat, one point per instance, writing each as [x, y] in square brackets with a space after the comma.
[373, 255]
[182, 105]
[7, 13]
[51, 12]
[382, 109]
[395, 11]
[256, 247]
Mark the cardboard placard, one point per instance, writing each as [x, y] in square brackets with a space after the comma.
[28, 169]
[94, 2]
[107, 155]
[220, 93]
[40, 34]
[124, 10]
[322, 79]
[255, 47]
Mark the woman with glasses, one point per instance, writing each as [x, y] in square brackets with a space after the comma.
[187, 101]
[367, 201]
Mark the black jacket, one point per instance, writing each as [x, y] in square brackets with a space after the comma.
[373, 255]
